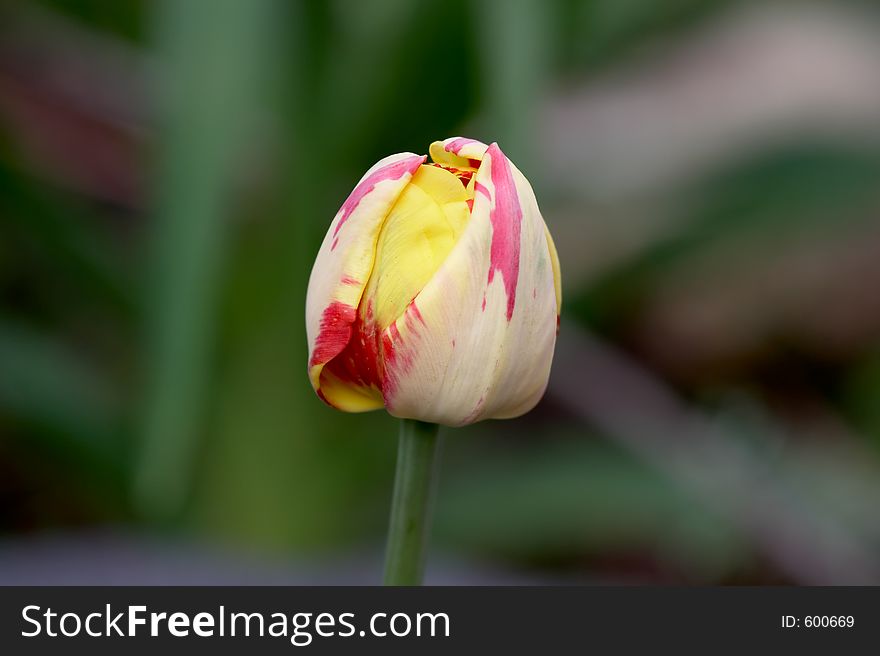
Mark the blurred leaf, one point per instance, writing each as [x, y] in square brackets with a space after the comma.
[319, 478]
[212, 72]
[513, 43]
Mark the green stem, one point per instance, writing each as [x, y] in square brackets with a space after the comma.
[414, 483]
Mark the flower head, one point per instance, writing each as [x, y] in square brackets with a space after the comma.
[436, 292]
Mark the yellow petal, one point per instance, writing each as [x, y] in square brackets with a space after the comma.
[345, 396]
[415, 239]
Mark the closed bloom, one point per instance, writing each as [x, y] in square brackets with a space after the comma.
[436, 292]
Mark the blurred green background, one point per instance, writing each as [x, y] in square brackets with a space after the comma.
[710, 171]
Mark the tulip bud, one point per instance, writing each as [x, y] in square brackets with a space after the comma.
[436, 292]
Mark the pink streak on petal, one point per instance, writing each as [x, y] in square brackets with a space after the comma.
[393, 171]
[506, 218]
[415, 310]
[398, 358]
[334, 332]
[334, 244]
[482, 189]
[348, 280]
[457, 144]
[398, 361]
[395, 333]
[476, 411]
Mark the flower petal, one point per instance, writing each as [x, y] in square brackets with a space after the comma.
[458, 151]
[557, 272]
[415, 239]
[477, 342]
[343, 266]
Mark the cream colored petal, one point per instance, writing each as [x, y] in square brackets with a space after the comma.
[478, 341]
[342, 269]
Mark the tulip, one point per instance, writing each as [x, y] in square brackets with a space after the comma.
[436, 295]
[436, 292]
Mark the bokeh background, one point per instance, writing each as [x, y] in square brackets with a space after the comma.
[710, 171]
